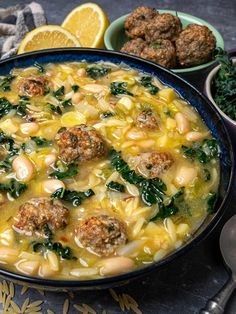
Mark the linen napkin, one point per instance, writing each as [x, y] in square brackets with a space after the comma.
[15, 23]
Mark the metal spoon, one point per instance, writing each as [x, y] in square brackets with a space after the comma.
[217, 304]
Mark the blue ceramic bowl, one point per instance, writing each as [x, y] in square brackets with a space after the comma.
[208, 113]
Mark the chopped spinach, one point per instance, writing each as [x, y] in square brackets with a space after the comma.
[13, 187]
[5, 83]
[55, 109]
[73, 197]
[67, 103]
[203, 151]
[5, 106]
[106, 114]
[146, 81]
[115, 186]
[119, 88]
[96, 72]
[59, 93]
[211, 199]
[40, 141]
[71, 171]
[39, 67]
[75, 88]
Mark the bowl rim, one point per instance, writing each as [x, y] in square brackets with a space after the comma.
[194, 19]
[117, 279]
[208, 92]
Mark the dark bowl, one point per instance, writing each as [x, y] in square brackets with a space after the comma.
[208, 113]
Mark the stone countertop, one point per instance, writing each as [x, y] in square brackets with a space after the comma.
[186, 284]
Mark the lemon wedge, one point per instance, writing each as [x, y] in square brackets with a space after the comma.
[48, 36]
[88, 22]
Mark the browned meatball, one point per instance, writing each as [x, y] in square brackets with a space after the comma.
[136, 22]
[102, 234]
[134, 46]
[35, 213]
[163, 26]
[80, 143]
[152, 164]
[147, 120]
[195, 45]
[33, 86]
[161, 52]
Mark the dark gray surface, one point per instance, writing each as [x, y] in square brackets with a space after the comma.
[185, 285]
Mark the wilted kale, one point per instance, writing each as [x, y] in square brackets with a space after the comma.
[106, 114]
[66, 103]
[120, 88]
[71, 171]
[59, 93]
[5, 106]
[8, 144]
[146, 81]
[55, 109]
[96, 72]
[13, 187]
[115, 186]
[211, 201]
[5, 83]
[39, 67]
[224, 84]
[41, 141]
[75, 88]
[73, 197]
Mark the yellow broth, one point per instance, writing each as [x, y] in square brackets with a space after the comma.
[149, 240]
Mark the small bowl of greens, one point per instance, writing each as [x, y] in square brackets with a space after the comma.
[220, 86]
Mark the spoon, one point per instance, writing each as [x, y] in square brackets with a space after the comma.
[217, 304]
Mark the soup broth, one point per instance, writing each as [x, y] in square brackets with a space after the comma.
[103, 170]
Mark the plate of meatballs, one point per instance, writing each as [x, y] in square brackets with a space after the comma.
[174, 40]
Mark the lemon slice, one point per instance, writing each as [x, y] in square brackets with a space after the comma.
[72, 118]
[88, 22]
[48, 36]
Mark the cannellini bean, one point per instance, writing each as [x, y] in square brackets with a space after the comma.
[183, 125]
[27, 267]
[94, 88]
[116, 265]
[29, 128]
[24, 168]
[195, 136]
[45, 270]
[51, 185]
[81, 72]
[159, 255]
[185, 175]
[50, 159]
[76, 98]
[82, 272]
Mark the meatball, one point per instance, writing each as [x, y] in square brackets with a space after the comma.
[195, 45]
[136, 22]
[80, 143]
[147, 120]
[163, 26]
[153, 164]
[161, 52]
[33, 86]
[35, 213]
[102, 234]
[134, 46]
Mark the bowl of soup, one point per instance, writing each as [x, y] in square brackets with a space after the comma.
[111, 166]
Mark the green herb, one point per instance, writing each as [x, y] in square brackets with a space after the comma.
[71, 171]
[67, 103]
[224, 84]
[211, 199]
[146, 81]
[115, 186]
[119, 88]
[106, 114]
[5, 107]
[5, 83]
[40, 141]
[59, 93]
[56, 109]
[203, 151]
[39, 67]
[13, 187]
[96, 72]
[75, 88]
[73, 197]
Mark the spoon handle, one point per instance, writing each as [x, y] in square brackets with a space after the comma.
[216, 305]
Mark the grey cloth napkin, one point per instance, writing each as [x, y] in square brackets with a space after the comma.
[15, 23]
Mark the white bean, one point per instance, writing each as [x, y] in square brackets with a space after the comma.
[185, 175]
[29, 128]
[183, 125]
[81, 72]
[50, 159]
[76, 98]
[116, 265]
[195, 136]
[24, 168]
[94, 88]
[51, 185]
